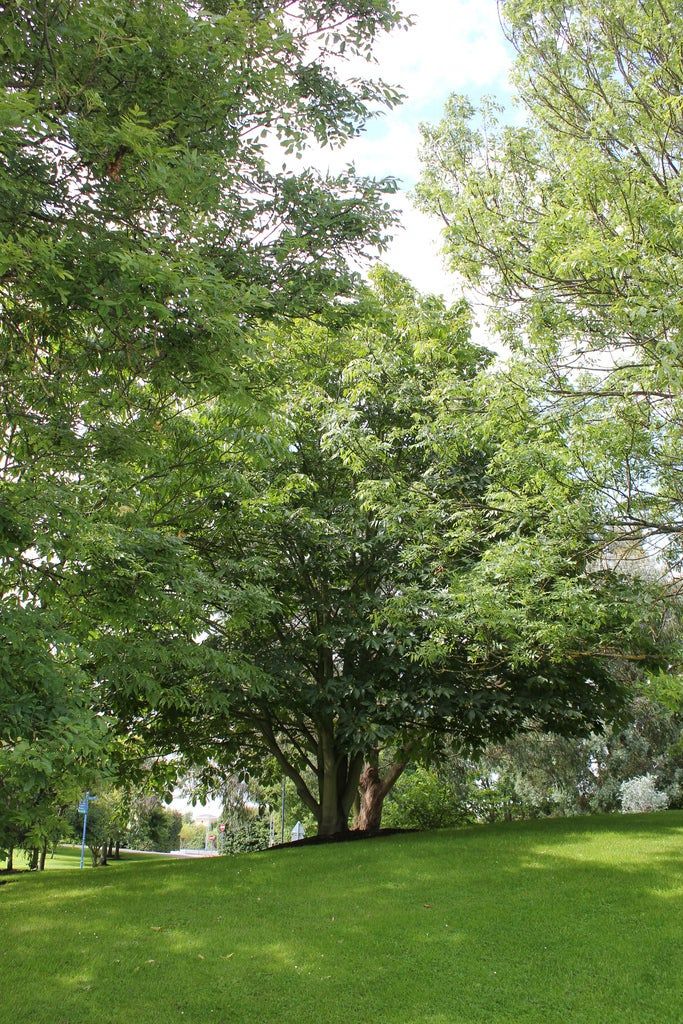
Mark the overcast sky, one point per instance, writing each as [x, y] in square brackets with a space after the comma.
[454, 46]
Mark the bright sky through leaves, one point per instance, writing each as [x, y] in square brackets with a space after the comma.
[453, 46]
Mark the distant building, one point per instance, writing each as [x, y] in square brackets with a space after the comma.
[204, 817]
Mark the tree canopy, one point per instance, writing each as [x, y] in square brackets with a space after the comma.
[251, 508]
[147, 223]
[360, 584]
[570, 224]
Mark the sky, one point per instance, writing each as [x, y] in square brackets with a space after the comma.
[453, 46]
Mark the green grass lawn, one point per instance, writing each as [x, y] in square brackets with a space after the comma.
[69, 857]
[574, 920]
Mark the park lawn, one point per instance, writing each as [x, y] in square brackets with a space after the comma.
[69, 857]
[570, 920]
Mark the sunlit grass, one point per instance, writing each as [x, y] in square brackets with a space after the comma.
[69, 857]
[574, 920]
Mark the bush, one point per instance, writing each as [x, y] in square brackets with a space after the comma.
[153, 826]
[246, 837]
[192, 836]
[641, 794]
[421, 799]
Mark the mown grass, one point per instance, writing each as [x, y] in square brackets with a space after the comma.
[67, 858]
[574, 920]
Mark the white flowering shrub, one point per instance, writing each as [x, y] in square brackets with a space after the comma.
[641, 794]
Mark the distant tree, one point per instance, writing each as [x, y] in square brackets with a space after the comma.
[44, 773]
[192, 836]
[152, 826]
[98, 828]
[551, 774]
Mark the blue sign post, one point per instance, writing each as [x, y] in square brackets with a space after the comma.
[83, 809]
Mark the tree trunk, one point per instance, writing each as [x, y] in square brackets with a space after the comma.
[43, 856]
[10, 859]
[338, 786]
[103, 854]
[337, 774]
[110, 851]
[332, 820]
[373, 789]
[117, 850]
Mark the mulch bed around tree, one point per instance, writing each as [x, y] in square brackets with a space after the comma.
[343, 837]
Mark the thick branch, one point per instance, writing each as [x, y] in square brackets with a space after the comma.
[288, 768]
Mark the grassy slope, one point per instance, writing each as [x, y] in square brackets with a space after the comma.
[567, 920]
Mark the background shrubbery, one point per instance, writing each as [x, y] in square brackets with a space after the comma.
[635, 765]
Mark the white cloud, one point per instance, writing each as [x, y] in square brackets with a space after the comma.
[453, 46]
[415, 251]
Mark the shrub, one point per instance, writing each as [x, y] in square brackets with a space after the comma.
[192, 836]
[421, 799]
[641, 794]
[246, 837]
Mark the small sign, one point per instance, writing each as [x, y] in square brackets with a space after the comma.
[84, 805]
[298, 832]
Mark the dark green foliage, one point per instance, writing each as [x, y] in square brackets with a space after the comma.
[537, 774]
[247, 836]
[546, 774]
[152, 826]
[98, 828]
[396, 558]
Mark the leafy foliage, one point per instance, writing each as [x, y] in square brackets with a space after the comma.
[395, 559]
[641, 794]
[570, 223]
[144, 231]
[423, 799]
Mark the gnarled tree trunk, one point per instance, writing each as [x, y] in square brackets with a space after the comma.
[337, 772]
[373, 788]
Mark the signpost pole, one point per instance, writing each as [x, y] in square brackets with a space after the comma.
[85, 804]
[83, 809]
[282, 813]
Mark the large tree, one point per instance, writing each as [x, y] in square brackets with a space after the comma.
[146, 224]
[569, 222]
[367, 586]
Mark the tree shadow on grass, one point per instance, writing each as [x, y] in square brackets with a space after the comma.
[570, 920]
